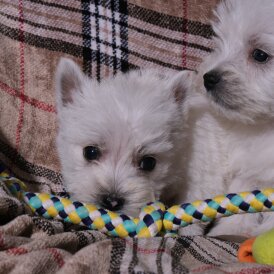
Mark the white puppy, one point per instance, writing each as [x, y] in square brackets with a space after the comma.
[231, 118]
[119, 140]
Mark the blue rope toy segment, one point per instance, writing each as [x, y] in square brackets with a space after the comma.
[154, 219]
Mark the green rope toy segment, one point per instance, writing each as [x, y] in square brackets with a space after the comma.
[154, 218]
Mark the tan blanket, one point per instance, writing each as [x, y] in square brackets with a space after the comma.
[104, 37]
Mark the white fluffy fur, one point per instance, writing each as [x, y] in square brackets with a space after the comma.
[127, 116]
[232, 150]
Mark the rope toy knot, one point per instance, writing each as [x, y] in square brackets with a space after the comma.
[151, 220]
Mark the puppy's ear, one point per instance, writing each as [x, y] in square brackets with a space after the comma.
[180, 83]
[69, 79]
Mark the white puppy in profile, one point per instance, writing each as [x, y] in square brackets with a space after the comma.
[231, 117]
[119, 140]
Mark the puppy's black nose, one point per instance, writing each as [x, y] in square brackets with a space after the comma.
[211, 79]
[112, 202]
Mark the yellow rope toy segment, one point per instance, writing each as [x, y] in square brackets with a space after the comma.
[154, 218]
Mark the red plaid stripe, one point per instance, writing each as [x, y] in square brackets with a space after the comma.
[57, 256]
[17, 251]
[32, 101]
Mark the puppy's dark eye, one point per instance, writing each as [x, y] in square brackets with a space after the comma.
[147, 163]
[91, 153]
[260, 56]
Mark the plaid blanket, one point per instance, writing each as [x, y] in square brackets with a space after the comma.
[104, 37]
[30, 244]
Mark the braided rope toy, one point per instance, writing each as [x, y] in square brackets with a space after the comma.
[154, 218]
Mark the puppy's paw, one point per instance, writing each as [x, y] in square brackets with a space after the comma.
[243, 225]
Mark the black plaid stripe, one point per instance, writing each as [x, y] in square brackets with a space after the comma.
[118, 29]
[170, 22]
[177, 253]
[82, 239]
[55, 45]
[114, 6]
[159, 260]
[118, 58]
[43, 26]
[171, 40]
[185, 244]
[196, 247]
[117, 253]
[28, 167]
[199, 250]
[134, 260]
[156, 61]
[42, 42]
[97, 39]
[227, 248]
[123, 10]
[44, 225]
[10, 208]
[86, 29]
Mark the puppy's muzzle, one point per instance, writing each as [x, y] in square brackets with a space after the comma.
[212, 79]
[112, 202]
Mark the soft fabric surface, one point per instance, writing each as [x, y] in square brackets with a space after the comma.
[104, 37]
[35, 245]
